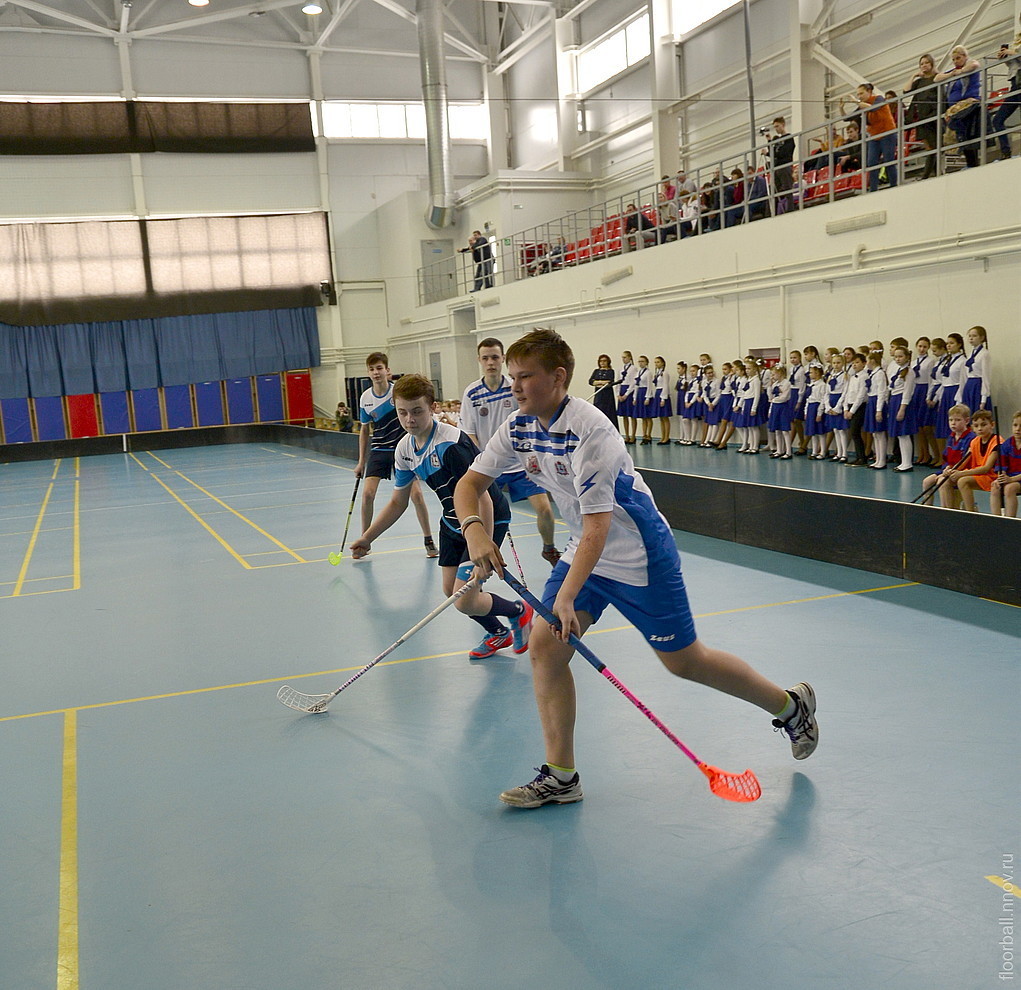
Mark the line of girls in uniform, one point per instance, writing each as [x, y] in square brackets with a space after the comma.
[818, 406]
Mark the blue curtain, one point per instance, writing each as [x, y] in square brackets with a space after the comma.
[82, 358]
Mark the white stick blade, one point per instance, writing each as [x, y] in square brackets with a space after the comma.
[312, 704]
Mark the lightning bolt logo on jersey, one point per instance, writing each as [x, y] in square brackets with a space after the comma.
[582, 462]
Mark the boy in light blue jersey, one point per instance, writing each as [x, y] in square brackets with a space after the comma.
[486, 403]
[621, 553]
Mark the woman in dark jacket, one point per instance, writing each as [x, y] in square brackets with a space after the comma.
[604, 398]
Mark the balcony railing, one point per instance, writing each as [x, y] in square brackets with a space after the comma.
[831, 162]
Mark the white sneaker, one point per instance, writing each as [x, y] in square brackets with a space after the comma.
[801, 728]
[545, 789]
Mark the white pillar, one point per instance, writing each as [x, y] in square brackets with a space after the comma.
[808, 75]
[567, 87]
[665, 88]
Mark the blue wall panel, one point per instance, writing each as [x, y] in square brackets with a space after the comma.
[177, 402]
[49, 417]
[16, 420]
[209, 403]
[240, 408]
[271, 398]
[146, 403]
[114, 408]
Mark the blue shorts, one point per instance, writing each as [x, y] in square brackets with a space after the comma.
[519, 486]
[659, 611]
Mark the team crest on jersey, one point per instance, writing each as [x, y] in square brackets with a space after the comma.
[532, 465]
[561, 468]
[434, 459]
[507, 403]
[483, 411]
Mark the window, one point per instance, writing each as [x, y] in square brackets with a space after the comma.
[395, 121]
[688, 14]
[613, 53]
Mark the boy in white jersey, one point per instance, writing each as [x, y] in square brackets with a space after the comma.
[380, 432]
[485, 405]
[621, 552]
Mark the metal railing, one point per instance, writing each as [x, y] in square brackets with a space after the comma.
[830, 162]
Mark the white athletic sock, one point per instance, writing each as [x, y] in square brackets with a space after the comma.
[563, 774]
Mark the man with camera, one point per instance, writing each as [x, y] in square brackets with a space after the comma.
[482, 255]
[781, 157]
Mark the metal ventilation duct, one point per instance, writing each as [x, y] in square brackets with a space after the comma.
[434, 96]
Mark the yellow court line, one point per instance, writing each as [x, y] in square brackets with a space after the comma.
[76, 539]
[221, 687]
[212, 532]
[218, 501]
[815, 598]
[67, 914]
[23, 573]
[387, 663]
[1007, 885]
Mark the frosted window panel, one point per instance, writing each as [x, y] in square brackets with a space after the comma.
[364, 120]
[416, 120]
[337, 120]
[636, 35]
[604, 60]
[688, 14]
[392, 120]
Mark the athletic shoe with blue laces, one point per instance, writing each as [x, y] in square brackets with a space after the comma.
[545, 789]
[521, 628]
[801, 728]
[491, 644]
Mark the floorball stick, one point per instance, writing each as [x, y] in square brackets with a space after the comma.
[314, 704]
[517, 559]
[335, 558]
[729, 786]
[930, 493]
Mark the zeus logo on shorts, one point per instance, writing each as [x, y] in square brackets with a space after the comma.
[661, 639]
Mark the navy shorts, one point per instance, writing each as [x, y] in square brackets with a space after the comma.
[454, 548]
[380, 464]
[659, 610]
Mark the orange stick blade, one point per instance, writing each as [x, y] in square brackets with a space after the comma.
[732, 786]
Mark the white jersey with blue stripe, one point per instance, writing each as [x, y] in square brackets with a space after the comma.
[483, 410]
[380, 412]
[583, 463]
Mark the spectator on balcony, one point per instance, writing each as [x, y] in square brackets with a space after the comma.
[688, 216]
[634, 221]
[1010, 55]
[850, 153]
[734, 198]
[482, 255]
[684, 184]
[881, 148]
[668, 191]
[924, 110]
[781, 157]
[962, 102]
[709, 207]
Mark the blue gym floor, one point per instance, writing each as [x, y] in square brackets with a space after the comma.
[168, 825]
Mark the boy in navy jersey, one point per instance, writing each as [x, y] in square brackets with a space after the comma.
[377, 441]
[1007, 484]
[621, 552]
[438, 454]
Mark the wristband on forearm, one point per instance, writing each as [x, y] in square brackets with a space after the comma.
[467, 522]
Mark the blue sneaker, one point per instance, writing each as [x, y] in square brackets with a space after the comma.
[522, 627]
[491, 644]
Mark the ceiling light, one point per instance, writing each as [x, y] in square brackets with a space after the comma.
[311, 8]
[199, 3]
